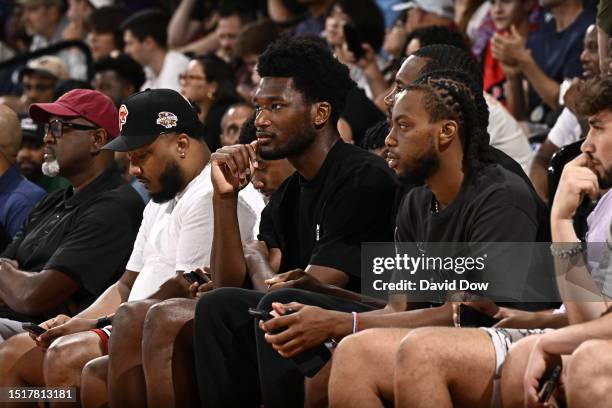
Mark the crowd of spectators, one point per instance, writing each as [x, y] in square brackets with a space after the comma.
[187, 188]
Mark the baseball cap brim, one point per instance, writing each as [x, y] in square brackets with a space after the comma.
[41, 72]
[126, 144]
[40, 112]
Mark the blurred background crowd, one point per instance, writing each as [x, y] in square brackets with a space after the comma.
[532, 54]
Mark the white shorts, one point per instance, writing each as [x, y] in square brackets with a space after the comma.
[502, 340]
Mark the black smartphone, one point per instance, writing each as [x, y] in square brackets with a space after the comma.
[33, 328]
[470, 317]
[353, 40]
[548, 384]
[310, 361]
[260, 314]
[193, 277]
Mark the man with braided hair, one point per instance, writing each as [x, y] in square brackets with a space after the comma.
[437, 134]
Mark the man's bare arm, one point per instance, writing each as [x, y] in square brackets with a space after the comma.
[34, 293]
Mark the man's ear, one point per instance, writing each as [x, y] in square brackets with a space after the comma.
[321, 113]
[99, 139]
[448, 132]
[182, 145]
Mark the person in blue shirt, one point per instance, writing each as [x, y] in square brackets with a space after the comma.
[17, 195]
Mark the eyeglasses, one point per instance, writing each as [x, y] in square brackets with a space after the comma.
[56, 127]
[185, 77]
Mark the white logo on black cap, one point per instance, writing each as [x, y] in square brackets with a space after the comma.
[123, 113]
[167, 119]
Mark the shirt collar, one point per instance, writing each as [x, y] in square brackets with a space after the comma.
[96, 187]
[203, 174]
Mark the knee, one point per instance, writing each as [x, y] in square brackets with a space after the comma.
[356, 349]
[590, 363]
[130, 315]
[163, 316]
[285, 295]
[65, 358]
[96, 369]
[419, 348]
[10, 353]
[513, 371]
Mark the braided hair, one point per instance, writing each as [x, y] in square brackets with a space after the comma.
[452, 95]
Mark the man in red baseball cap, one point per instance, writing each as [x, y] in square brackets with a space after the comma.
[76, 241]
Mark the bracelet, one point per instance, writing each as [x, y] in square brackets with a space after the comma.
[355, 322]
[103, 322]
[576, 249]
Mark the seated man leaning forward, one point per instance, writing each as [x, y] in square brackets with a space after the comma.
[163, 137]
[76, 241]
[311, 231]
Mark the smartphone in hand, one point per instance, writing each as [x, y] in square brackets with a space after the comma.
[310, 361]
[548, 384]
[35, 329]
[194, 277]
[470, 317]
[353, 41]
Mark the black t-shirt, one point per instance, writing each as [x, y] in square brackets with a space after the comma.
[88, 236]
[323, 221]
[493, 206]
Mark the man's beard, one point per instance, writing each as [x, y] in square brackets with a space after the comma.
[293, 147]
[605, 181]
[51, 168]
[171, 181]
[30, 169]
[422, 167]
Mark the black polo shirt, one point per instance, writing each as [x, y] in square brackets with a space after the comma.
[323, 221]
[86, 235]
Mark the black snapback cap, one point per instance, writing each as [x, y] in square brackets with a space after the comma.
[147, 114]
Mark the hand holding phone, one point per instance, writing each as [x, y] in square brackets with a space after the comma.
[32, 328]
[470, 317]
[194, 277]
[549, 384]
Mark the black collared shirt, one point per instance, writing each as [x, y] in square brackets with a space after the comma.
[86, 235]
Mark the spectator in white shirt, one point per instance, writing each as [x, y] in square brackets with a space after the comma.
[144, 34]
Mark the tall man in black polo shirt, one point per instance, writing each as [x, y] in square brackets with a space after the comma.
[76, 241]
[311, 230]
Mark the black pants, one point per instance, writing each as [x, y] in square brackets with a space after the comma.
[235, 366]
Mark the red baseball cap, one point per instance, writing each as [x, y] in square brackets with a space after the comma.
[85, 103]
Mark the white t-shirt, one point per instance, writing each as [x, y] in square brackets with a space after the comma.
[177, 235]
[506, 133]
[175, 63]
[566, 129]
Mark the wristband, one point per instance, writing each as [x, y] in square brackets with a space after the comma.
[103, 322]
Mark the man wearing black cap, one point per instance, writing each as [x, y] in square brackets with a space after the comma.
[163, 137]
[76, 241]
[31, 153]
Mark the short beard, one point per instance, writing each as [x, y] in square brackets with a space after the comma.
[172, 182]
[605, 182]
[423, 167]
[51, 168]
[294, 146]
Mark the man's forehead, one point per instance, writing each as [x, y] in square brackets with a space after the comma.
[410, 69]
[604, 116]
[273, 87]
